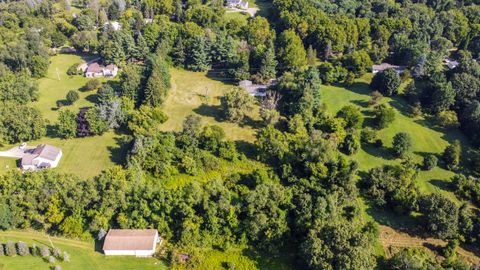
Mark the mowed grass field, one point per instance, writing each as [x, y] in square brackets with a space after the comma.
[82, 255]
[426, 139]
[85, 157]
[196, 93]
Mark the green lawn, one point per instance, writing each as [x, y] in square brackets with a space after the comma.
[425, 138]
[82, 255]
[85, 157]
[197, 93]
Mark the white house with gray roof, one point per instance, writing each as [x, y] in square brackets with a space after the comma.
[43, 156]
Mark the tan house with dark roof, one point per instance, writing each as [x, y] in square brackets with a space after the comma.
[96, 70]
[140, 243]
[43, 156]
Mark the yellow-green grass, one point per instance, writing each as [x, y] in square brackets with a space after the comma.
[82, 255]
[240, 259]
[241, 16]
[425, 138]
[85, 157]
[54, 88]
[197, 93]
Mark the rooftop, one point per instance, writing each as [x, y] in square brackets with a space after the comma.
[117, 239]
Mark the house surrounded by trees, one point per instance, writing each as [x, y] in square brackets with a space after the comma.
[96, 70]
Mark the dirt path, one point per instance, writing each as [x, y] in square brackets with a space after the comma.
[389, 238]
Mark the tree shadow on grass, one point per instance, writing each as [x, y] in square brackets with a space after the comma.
[361, 88]
[376, 151]
[118, 153]
[268, 261]
[246, 148]
[220, 76]
[208, 110]
[400, 222]
[92, 98]
[361, 103]
[441, 184]
[249, 121]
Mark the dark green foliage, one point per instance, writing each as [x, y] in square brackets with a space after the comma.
[368, 135]
[352, 115]
[291, 54]
[198, 57]
[383, 116]
[467, 187]
[73, 70]
[236, 104]
[393, 186]
[92, 84]
[357, 62]
[451, 155]
[6, 218]
[131, 82]
[412, 259]
[402, 144]
[105, 94]
[19, 123]
[67, 124]
[440, 216]
[72, 96]
[430, 161]
[17, 87]
[158, 82]
[96, 125]
[351, 144]
[387, 82]
[39, 66]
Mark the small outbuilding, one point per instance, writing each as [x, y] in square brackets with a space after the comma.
[139, 243]
[384, 66]
[41, 157]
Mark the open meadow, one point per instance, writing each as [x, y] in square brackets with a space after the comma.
[85, 157]
[82, 255]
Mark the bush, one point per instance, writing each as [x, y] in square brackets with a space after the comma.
[384, 116]
[2, 251]
[51, 259]
[430, 162]
[402, 144]
[22, 249]
[387, 82]
[72, 96]
[379, 143]
[228, 151]
[66, 257]
[451, 155]
[58, 267]
[10, 249]
[368, 135]
[447, 119]
[73, 70]
[57, 253]
[92, 85]
[44, 251]
[34, 250]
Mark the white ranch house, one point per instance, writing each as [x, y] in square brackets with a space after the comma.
[139, 243]
[237, 4]
[41, 157]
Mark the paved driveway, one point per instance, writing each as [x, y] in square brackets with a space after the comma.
[15, 152]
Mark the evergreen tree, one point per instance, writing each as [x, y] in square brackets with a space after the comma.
[198, 56]
[291, 52]
[141, 50]
[158, 83]
[269, 65]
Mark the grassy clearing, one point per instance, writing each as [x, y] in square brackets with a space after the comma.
[239, 258]
[85, 157]
[197, 93]
[82, 255]
[426, 139]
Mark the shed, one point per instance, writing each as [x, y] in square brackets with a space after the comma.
[130, 242]
[384, 66]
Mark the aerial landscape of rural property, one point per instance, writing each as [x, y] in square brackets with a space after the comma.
[240, 134]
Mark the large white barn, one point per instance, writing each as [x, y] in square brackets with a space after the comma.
[140, 243]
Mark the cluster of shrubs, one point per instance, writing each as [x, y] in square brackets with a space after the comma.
[22, 249]
[74, 70]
